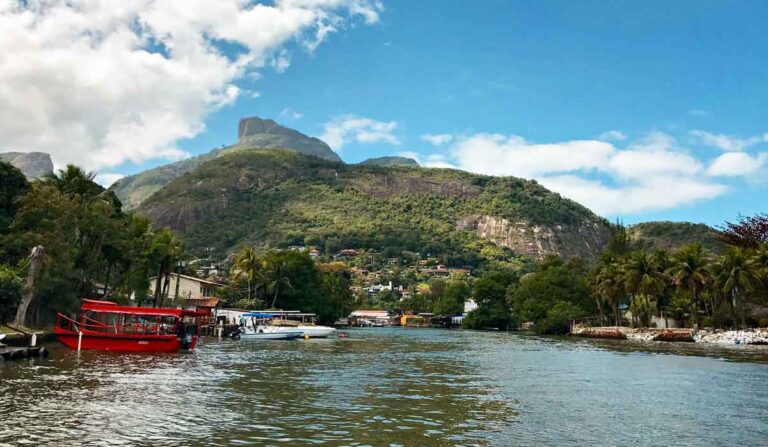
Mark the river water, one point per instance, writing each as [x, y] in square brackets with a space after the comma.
[398, 386]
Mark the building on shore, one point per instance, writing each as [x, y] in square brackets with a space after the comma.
[189, 292]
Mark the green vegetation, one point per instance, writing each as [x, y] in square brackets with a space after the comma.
[90, 245]
[276, 199]
[390, 161]
[651, 236]
[289, 280]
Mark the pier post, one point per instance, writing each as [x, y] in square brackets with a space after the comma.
[33, 341]
[79, 340]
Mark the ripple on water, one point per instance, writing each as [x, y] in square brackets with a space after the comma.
[389, 387]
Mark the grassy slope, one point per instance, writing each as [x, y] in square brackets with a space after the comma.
[671, 235]
[277, 198]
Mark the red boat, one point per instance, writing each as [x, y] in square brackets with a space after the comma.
[107, 326]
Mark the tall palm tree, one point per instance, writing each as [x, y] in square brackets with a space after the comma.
[690, 272]
[644, 281]
[246, 266]
[734, 275]
[275, 279]
[164, 249]
[609, 286]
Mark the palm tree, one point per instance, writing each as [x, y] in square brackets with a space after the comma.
[275, 278]
[164, 249]
[609, 286]
[75, 180]
[734, 274]
[690, 272]
[246, 266]
[645, 282]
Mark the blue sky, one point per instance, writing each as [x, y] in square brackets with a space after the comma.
[641, 110]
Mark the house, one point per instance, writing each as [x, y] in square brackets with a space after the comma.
[347, 253]
[189, 292]
[314, 253]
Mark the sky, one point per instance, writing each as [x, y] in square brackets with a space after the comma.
[651, 110]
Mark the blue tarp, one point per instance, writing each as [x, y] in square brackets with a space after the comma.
[257, 315]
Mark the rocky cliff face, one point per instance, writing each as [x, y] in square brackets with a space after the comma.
[32, 164]
[586, 239]
[267, 134]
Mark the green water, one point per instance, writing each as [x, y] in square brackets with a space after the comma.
[393, 386]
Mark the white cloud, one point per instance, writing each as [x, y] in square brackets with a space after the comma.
[653, 194]
[290, 113]
[437, 139]
[652, 173]
[726, 142]
[734, 164]
[612, 135]
[348, 128]
[512, 155]
[108, 178]
[99, 83]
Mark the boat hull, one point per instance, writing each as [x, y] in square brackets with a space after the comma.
[121, 342]
[272, 336]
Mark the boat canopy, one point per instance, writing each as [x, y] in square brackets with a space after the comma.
[258, 314]
[114, 308]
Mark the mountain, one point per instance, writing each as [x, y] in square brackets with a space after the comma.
[267, 134]
[278, 198]
[673, 235]
[252, 132]
[390, 161]
[32, 164]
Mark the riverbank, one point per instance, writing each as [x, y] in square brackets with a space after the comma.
[757, 336]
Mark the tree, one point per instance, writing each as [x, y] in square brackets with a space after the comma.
[36, 260]
[455, 295]
[14, 186]
[275, 279]
[11, 291]
[609, 285]
[690, 272]
[164, 249]
[747, 232]
[645, 281]
[246, 266]
[733, 275]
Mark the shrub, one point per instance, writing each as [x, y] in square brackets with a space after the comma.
[558, 320]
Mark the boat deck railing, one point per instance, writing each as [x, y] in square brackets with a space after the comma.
[138, 327]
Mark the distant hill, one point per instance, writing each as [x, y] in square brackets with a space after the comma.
[274, 198]
[252, 133]
[390, 161]
[672, 235]
[31, 164]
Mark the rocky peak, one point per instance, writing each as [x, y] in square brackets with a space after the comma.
[267, 134]
[31, 164]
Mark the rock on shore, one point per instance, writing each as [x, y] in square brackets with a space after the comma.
[757, 336]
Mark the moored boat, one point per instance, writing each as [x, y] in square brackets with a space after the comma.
[107, 326]
[255, 326]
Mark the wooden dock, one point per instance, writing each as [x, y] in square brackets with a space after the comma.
[15, 353]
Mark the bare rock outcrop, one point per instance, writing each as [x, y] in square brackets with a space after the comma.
[31, 164]
[585, 239]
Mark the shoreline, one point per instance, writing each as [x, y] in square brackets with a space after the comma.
[757, 336]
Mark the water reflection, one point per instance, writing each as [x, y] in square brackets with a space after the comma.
[390, 387]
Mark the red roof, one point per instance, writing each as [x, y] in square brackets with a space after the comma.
[114, 308]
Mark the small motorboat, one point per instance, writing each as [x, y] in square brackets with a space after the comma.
[254, 326]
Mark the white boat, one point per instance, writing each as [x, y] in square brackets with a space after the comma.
[255, 326]
[309, 330]
[290, 320]
[267, 333]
